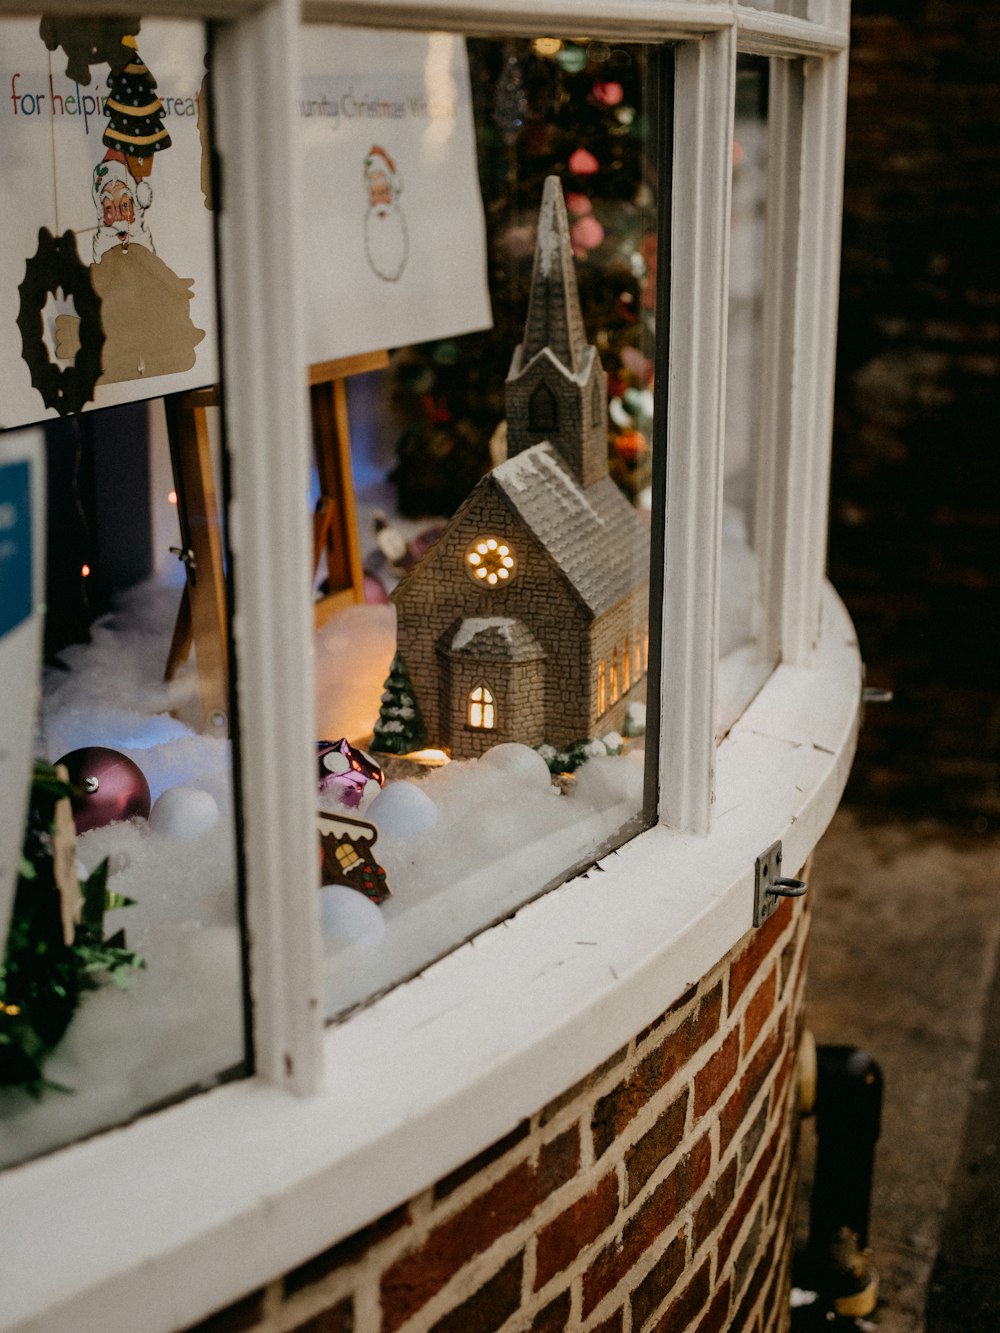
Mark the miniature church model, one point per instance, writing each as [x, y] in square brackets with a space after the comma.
[527, 620]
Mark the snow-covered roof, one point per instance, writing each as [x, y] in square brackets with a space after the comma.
[594, 535]
[496, 637]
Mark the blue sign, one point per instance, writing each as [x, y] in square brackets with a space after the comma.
[15, 544]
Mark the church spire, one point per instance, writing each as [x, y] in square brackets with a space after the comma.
[554, 318]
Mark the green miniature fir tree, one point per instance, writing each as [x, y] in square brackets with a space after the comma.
[399, 728]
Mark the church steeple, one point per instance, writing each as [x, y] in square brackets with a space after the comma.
[554, 318]
[556, 387]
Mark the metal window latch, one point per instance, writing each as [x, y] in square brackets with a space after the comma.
[876, 694]
[770, 885]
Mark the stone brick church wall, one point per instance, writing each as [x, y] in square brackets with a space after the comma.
[655, 1196]
[915, 518]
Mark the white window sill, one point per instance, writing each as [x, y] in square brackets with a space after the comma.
[154, 1225]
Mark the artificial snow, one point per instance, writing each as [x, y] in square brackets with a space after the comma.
[179, 1024]
[348, 917]
[475, 625]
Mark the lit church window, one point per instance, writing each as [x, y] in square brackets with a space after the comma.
[482, 709]
[490, 561]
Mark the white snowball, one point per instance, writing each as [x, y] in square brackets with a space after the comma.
[349, 917]
[184, 813]
[520, 762]
[603, 782]
[402, 810]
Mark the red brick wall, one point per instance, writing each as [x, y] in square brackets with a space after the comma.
[655, 1195]
[914, 523]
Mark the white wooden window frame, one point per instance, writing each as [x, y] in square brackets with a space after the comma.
[161, 1221]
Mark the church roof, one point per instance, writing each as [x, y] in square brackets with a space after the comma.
[594, 536]
[554, 317]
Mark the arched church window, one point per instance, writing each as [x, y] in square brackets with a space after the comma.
[482, 709]
[614, 676]
[602, 687]
[543, 410]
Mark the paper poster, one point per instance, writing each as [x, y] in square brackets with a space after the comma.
[106, 271]
[394, 237]
[22, 591]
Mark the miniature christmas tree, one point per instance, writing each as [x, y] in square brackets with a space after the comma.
[135, 126]
[399, 728]
[56, 949]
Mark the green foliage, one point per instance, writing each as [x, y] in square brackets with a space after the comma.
[400, 727]
[42, 977]
[578, 752]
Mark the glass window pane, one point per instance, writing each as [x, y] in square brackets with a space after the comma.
[745, 663]
[121, 985]
[498, 203]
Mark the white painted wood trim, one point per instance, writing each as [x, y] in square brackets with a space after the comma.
[164, 9]
[768, 34]
[621, 20]
[702, 174]
[820, 181]
[268, 432]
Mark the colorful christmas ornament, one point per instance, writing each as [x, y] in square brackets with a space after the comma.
[347, 856]
[630, 445]
[582, 162]
[111, 787]
[347, 774]
[135, 113]
[608, 92]
[586, 233]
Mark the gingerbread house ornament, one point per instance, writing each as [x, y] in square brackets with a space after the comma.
[528, 619]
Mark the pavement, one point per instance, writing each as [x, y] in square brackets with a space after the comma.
[903, 962]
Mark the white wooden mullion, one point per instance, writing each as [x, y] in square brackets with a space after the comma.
[702, 188]
[771, 519]
[815, 326]
[268, 438]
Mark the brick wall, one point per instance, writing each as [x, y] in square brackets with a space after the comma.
[915, 523]
[655, 1195]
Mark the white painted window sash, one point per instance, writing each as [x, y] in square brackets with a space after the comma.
[255, 73]
[699, 231]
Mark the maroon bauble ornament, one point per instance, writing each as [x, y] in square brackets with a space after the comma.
[111, 787]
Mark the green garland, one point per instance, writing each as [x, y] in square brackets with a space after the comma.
[43, 977]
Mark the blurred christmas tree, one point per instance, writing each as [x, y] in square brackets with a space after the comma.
[547, 107]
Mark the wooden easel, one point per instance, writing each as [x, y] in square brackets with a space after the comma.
[201, 618]
[335, 522]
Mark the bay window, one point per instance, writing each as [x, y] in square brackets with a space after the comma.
[509, 913]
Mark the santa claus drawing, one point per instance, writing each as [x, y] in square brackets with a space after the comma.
[144, 304]
[386, 241]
